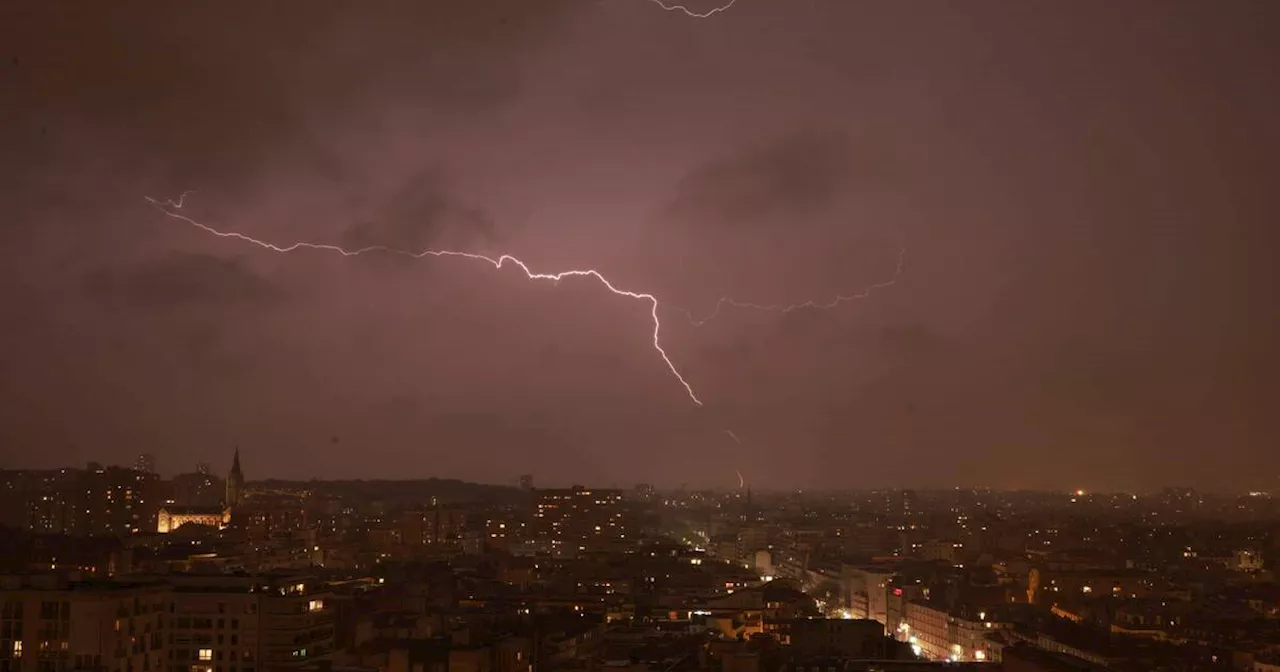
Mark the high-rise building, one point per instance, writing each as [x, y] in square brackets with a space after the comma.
[901, 507]
[268, 516]
[45, 501]
[119, 501]
[175, 623]
[235, 482]
[526, 482]
[146, 463]
[198, 489]
[433, 525]
[574, 516]
[51, 625]
[249, 624]
[98, 501]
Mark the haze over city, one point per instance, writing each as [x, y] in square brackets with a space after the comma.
[1064, 211]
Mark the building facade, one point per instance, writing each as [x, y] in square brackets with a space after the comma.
[48, 624]
[577, 518]
[172, 517]
[250, 624]
[95, 501]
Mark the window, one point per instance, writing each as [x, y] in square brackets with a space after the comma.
[315, 605]
[206, 654]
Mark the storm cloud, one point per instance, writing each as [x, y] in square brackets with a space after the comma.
[1081, 196]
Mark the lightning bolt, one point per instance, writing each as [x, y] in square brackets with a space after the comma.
[171, 207]
[791, 307]
[742, 482]
[694, 13]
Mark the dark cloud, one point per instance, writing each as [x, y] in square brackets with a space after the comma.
[181, 281]
[1095, 379]
[419, 215]
[232, 89]
[911, 341]
[1088, 231]
[788, 180]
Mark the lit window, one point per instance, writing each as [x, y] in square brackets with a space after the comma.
[206, 654]
[17, 648]
[315, 605]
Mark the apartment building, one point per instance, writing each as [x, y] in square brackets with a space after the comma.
[249, 624]
[51, 624]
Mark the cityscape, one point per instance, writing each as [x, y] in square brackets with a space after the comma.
[640, 336]
[116, 568]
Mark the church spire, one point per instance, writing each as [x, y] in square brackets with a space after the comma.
[235, 481]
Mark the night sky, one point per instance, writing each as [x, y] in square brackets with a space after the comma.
[1083, 196]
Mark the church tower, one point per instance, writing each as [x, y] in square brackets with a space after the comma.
[235, 482]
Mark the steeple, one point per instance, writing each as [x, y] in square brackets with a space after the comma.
[235, 482]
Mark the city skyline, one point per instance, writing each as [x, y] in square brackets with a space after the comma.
[145, 464]
[1077, 233]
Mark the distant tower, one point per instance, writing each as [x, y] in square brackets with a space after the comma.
[146, 463]
[235, 482]
[749, 511]
[526, 482]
